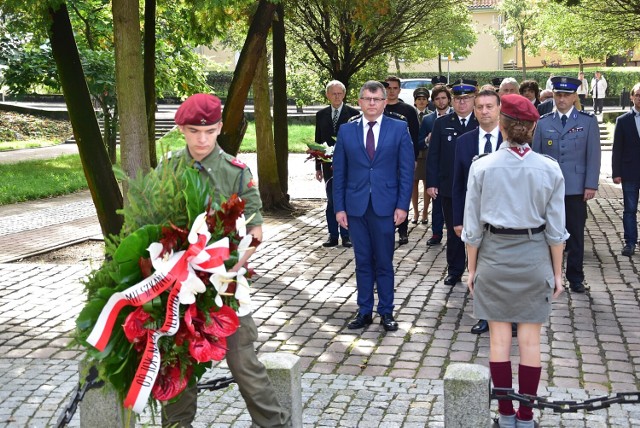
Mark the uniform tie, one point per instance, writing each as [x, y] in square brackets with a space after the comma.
[335, 119]
[487, 145]
[371, 144]
[420, 116]
[463, 122]
[563, 119]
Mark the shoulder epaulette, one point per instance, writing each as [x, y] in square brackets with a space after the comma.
[236, 162]
[586, 113]
[547, 114]
[394, 115]
[476, 157]
[354, 118]
[549, 157]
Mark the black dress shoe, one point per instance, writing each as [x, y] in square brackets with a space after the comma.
[452, 280]
[403, 239]
[480, 327]
[576, 287]
[346, 242]
[360, 321]
[628, 250]
[388, 322]
[434, 240]
[331, 243]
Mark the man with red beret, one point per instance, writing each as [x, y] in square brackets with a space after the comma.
[199, 119]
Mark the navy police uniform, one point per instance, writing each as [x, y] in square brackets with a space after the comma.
[576, 147]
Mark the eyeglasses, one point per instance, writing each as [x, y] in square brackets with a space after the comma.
[371, 99]
[463, 99]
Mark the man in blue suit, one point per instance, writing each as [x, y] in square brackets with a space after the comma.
[483, 140]
[572, 138]
[373, 165]
[446, 131]
[625, 163]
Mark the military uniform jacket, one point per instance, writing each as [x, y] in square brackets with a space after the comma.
[576, 147]
[226, 175]
[625, 158]
[442, 150]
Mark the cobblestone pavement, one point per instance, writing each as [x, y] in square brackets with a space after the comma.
[303, 297]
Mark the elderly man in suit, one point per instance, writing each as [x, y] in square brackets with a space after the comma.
[328, 120]
[625, 163]
[373, 166]
[484, 139]
[446, 131]
[572, 138]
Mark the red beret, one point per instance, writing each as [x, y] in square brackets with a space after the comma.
[199, 110]
[518, 107]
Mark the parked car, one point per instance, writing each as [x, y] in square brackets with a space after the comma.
[407, 86]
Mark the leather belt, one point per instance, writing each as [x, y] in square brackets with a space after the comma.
[499, 231]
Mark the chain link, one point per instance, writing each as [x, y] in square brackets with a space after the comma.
[215, 384]
[90, 382]
[566, 406]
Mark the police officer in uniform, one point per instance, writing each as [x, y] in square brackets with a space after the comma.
[199, 119]
[440, 161]
[572, 137]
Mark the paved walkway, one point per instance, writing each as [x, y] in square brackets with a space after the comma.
[303, 297]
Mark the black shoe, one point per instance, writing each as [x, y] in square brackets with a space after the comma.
[346, 242]
[576, 287]
[403, 239]
[452, 280]
[414, 221]
[482, 326]
[514, 329]
[388, 322]
[360, 321]
[434, 240]
[331, 242]
[628, 250]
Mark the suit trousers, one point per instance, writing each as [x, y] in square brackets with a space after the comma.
[456, 255]
[437, 217]
[630, 191]
[373, 245]
[332, 223]
[575, 208]
[251, 377]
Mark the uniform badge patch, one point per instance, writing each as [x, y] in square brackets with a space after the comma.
[237, 162]
[549, 142]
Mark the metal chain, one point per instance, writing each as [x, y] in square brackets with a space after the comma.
[215, 384]
[566, 406]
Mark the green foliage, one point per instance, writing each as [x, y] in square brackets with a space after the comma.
[14, 126]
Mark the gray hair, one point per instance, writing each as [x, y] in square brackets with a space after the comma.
[335, 83]
[373, 86]
[509, 81]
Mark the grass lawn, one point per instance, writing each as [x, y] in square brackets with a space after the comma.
[27, 144]
[39, 179]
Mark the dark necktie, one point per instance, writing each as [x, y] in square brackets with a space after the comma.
[463, 122]
[335, 120]
[371, 144]
[563, 119]
[420, 116]
[487, 145]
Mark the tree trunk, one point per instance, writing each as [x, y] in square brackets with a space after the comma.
[580, 64]
[150, 76]
[268, 181]
[397, 62]
[524, 55]
[439, 64]
[134, 146]
[95, 161]
[234, 122]
[280, 123]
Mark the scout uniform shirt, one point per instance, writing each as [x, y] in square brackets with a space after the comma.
[227, 175]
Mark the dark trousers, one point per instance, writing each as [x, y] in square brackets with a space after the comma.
[597, 105]
[373, 245]
[437, 217]
[251, 377]
[629, 215]
[583, 99]
[332, 223]
[455, 247]
[575, 208]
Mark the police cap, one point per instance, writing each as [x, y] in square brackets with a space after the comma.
[421, 92]
[438, 79]
[464, 86]
[199, 110]
[565, 84]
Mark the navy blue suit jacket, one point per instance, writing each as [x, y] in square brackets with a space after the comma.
[446, 130]
[466, 150]
[386, 180]
[625, 156]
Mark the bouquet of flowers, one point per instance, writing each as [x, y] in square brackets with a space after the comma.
[322, 152]
[160, 308]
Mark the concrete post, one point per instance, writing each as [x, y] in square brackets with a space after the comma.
[284, 371]
[101, 407]
[467, 396]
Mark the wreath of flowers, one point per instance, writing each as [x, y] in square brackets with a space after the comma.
[160, 308]
[322, 152]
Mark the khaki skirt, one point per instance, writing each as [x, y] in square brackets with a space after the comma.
[514, 279]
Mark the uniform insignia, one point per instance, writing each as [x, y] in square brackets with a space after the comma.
[354, 118]
[395, 115]
[449, 137]
[250, 184]
[547, 114]
[237, 162]
[203, 121]
[586, 113]
[549, 142]
[576, 129]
